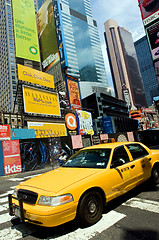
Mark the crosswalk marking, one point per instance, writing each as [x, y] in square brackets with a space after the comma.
[107, 221]
[3, 200]
[143, 204]
[6, 194]
[13, 187]
[5, 218]
[12, 233]
[31, 176]
[3, 207]
[16, 179]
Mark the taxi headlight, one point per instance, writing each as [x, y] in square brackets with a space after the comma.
[55, 201]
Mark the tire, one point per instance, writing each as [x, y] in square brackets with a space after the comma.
[90, 208]
[155, 175]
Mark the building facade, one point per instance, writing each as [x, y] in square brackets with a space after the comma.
[147, 69]
[124, 65]
[8, 59]
[82, 45]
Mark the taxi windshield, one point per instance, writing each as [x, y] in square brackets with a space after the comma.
[89, 158]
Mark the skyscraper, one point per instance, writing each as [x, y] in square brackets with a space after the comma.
[8, 60]
[82, 45]
[147, 69]
[124, 65]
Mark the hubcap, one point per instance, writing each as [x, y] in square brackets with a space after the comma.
[92, 207]
[156, 174]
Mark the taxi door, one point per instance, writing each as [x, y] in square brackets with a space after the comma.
[122, 173]
[140, 162]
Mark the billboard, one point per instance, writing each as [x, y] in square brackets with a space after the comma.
[157, 70]
[40, 102]
[73, 92]
[47, 35]
[11, 157]
[45, 130]
[84, 122]
[153, 38]
[5, 132]
[149, 10]
[59, 33]
[34, 76]
[25, 30]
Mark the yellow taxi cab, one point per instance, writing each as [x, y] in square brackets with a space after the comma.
[88, 180]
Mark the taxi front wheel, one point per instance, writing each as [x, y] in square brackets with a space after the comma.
[155, 175]
[90, 208]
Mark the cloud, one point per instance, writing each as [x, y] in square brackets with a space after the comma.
[126, 13]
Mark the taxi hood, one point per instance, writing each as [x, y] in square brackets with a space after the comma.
[56, 180]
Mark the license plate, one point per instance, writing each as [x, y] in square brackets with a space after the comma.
[17, 212]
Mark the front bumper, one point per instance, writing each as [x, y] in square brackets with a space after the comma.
[42, 215]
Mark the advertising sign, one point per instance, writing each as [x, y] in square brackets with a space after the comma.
[25, 30]
[45, 130]
[11, 157]
[40, 102]
[127, 96]
[71, 123]
[107, 126]
[153, 37]
[35, 76]
[157, 70]
[5, 132]
[60, 35]
[149, 10]
[84, 121]
[73, 92]
[47, 35]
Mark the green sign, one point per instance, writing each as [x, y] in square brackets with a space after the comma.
[25, 30]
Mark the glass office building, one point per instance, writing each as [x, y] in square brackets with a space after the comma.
[124, 65]
[147, 69]
[82, 44]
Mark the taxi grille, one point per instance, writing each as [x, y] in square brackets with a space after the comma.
[27, 196]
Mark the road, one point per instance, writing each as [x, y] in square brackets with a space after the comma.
[134, 216]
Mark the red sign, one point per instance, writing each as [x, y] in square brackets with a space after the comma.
[74, 95]
[11, 157]
[5, 132]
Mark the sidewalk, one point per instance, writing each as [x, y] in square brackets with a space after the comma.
[28, 173]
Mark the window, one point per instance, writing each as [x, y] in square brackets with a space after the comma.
[90, 158]
[120, 157]
[137, 151]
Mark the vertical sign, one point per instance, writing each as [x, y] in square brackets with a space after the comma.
[73, 92]
[11, 157]
[47, 35]
[60, 35]
[25, 29]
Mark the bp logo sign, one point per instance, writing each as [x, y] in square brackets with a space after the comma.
[33, 50]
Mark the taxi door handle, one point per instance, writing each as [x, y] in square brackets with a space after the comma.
[132, 166]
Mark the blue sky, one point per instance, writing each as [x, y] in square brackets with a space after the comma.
[126, 13]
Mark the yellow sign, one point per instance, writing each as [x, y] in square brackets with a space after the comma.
[45, 130]
[35, 76]
[40, 102]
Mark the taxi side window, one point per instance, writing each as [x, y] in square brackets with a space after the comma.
[137, 151]
[120, 157]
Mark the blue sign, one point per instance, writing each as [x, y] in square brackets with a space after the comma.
[107, 126]
[60, 34]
